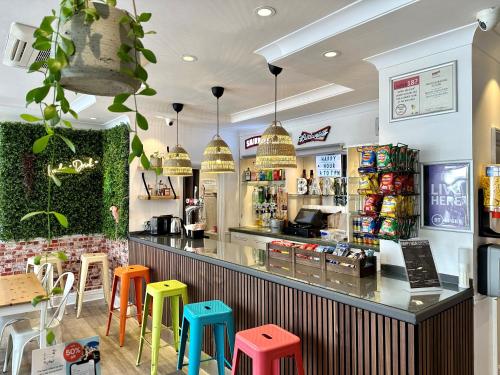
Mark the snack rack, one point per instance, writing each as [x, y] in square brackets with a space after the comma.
[386, 205]
[320, 260]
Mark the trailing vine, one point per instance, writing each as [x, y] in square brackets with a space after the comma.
[53, 105]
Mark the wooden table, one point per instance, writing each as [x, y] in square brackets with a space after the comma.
[16, 293]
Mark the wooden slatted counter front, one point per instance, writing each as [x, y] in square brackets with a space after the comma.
[341, 334]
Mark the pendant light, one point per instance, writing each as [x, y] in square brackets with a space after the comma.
[217, 157]
[177, 161]
[276, 148]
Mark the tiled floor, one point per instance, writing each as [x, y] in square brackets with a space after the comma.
[114, 360]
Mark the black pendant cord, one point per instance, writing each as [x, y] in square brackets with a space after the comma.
[275, 97]
[218, 117]
[177, 128]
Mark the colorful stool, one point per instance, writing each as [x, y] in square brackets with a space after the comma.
[155, 294]
[135, 273]
[196, 317]
[86, 260]
[266, 345]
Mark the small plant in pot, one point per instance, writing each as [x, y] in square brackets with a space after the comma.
[95, 48]
[156, 160]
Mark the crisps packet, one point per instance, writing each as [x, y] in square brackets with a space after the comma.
[389, 227]
[390, 206]
[384, 157]
[372, 203]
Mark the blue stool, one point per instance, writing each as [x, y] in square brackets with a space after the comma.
[196, 316]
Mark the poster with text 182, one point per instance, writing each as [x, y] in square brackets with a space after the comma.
[425, 92]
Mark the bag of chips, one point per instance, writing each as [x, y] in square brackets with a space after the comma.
[384, 157]
[390, 206]
[369, 225]
[389, 227]
[368, 183]
[387, 183]
[400, 183]
[372, 203]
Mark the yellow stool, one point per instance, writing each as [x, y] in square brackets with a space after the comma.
[86, 260]
[55, 261]
[155, 294]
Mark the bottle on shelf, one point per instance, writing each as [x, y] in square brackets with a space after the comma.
[247, 175]
[253, 173]
[310, 181]
[304, 176]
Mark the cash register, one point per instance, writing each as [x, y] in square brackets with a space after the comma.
[307, 223]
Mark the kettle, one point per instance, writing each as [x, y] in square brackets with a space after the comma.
[175, 225]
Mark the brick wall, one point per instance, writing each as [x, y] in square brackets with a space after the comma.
[14, 255]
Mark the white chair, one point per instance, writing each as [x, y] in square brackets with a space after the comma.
[23, 331]
[54, 260]
[43, 274]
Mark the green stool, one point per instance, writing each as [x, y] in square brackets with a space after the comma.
[156, 293]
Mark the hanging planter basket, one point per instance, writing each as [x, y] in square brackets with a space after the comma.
[95, 68]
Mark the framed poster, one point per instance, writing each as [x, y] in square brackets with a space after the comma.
[425, 92]
[329, 165]
[446, 196]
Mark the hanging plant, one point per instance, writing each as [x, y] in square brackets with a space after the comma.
[95, 48]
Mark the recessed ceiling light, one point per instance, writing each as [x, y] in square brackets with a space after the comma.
[93, 118]
[265, 11]
[189, 58]
[331, 54]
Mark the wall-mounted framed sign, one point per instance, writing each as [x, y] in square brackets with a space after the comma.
[252, 142]
[329, 165]
[425, 92]
[446, 199]
[318, 136]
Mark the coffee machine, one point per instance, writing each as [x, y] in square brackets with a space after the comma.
[160, 225]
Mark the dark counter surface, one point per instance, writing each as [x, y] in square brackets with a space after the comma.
[267, 232]
[379, 293]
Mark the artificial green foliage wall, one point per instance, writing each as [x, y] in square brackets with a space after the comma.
[83, 197]
[116, 181]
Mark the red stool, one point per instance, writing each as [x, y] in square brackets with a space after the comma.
[136, 273]
[266, 345]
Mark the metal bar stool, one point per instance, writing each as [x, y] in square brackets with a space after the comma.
[196, 317]
[266, 345]
[156, 294]
[125, 275]
[86, 260]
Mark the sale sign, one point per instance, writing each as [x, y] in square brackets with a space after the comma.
[78, 357]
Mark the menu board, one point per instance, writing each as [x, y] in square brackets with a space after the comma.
[425, 92]
[446, 196]
[329, 165]
[420, 266]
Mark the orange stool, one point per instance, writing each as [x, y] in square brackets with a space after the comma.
[266, 345]
[125, 274]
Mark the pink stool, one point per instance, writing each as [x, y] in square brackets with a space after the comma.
[266, 345]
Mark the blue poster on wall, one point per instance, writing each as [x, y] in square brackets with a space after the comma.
[446, 196]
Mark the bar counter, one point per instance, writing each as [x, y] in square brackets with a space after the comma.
[348, 325]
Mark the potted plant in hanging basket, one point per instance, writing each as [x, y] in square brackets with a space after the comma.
[95, 49]
[156, 160]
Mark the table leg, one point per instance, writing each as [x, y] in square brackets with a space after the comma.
[43, 318]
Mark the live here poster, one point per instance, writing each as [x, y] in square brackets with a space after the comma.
[426, 92]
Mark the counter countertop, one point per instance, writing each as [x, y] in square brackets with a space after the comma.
[267, 232]
[379, 293]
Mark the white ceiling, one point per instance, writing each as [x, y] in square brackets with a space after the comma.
[224, 34]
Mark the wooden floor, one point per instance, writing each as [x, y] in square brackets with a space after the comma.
[114, 360]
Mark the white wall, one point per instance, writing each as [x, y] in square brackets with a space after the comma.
[350, 126]
[443, 137]
[157, 138]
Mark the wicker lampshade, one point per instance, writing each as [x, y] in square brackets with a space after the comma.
[178, 163]
[276, 149]
[217, 157]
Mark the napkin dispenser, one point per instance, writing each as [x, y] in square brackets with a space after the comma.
[488, 270]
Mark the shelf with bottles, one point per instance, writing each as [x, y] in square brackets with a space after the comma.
[156, 197]
[265, 182]
[254, 176]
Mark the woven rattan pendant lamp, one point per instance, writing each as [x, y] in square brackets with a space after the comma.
[177, 161]
[276, 148]
[217, 157]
